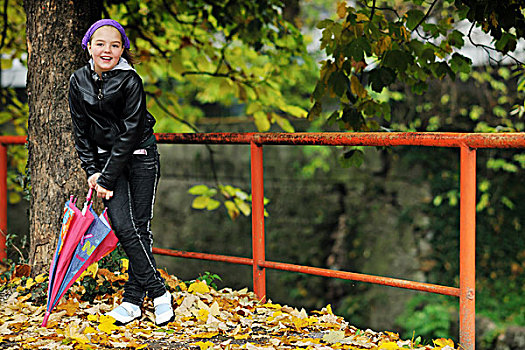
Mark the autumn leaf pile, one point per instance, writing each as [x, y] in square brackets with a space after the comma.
[205, 318]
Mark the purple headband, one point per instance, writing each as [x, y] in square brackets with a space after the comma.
[101, 23]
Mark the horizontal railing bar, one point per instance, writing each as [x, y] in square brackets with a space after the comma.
[13, 139]
[203, 256]
[386, 281]
[438, 139]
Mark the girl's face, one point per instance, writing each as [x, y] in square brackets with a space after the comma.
[106, 48]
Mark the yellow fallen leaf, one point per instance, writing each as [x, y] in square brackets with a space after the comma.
[389, 345]
[30, 283]
[93, 318]
[73, 333]
[334, 336]
[202, 345]
[40, 278]
[92, 270]
[214, 309]
[199, 287]
[23, 298]
[205, 335]
[182, 286]
[90, 330]
[442, 342]
[106, 319]
[125, 265]
[107, 324]
[70, 306]
[107, 327]
[272, 306]
[241, 336]
[203, 315]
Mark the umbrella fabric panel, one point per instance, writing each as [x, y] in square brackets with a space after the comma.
[98, 241]
[67, 218]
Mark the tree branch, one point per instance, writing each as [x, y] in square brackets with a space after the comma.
[149, 40]
[384, 9]
[426, 14]
[213, 74]
[373, 10]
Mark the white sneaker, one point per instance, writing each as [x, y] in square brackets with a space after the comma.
[125, 313]
[163, 309]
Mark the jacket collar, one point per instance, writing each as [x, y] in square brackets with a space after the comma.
[121, 65]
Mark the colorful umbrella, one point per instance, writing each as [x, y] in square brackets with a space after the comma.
[84, 239]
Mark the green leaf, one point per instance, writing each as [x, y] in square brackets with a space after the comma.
[428, 55]
[294, 111]
[319, 91]
[213, 204]
[358, 48]
[253, 107]
[460, 63]
[198, 190]
[507, 202]
[456, 39]
[227, 190]
[244, 207]
[283, 123]
[5, 116]
[200, 202]
[381, 77]
[339, 83]
[506, 43]
[352, 157]
[261, 121]
[441, 69]
[413, 18]
[397, 59]
[324, 23]
[232, 209]
[352, 117]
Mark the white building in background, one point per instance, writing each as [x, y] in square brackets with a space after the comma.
[14, 77]
[481, 56]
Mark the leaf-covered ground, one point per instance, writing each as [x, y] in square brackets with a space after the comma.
[205, 318]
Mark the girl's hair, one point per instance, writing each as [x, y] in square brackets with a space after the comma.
[129, 56]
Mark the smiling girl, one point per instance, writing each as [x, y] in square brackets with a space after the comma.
[115, 143]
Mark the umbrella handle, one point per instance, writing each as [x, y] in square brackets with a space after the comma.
[90, 193]
[46, 316]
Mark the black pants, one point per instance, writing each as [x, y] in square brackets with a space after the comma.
[130, 211]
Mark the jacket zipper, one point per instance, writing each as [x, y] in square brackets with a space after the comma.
[100, 95]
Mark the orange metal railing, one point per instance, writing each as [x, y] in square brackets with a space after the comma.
[4, 142]
[466, 142]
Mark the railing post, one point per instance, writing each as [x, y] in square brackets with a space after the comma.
[467, 249]
[259, 273]
[3, 201]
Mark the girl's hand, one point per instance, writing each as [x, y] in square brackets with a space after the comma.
[92, 181]
[103, 193]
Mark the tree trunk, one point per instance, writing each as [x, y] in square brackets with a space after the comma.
[54, 33]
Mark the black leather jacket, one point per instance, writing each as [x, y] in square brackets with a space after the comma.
[109, 114]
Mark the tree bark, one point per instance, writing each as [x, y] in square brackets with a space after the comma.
[54, 33]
